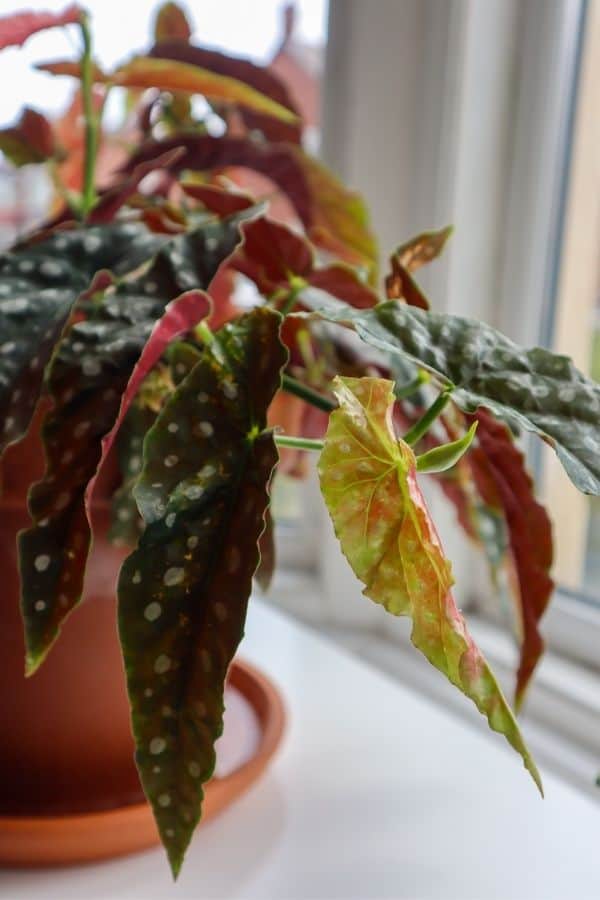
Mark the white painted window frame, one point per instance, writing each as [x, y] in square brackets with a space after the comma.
[422, 101]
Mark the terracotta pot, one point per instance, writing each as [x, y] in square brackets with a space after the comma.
[66, 746]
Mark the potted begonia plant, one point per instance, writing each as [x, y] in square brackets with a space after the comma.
[125, 354]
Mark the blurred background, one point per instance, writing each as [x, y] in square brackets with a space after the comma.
[479, 113]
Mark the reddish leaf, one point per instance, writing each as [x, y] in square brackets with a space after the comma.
[333, 217]
[529, 530]
[340, 217]
[277, 259]
[71, 68]
[399, 284]
[113, 199]
[258, 77]
[204, 153]
[17, 27]
[29, 141]
[172, 24]
[343, 282]
[272, 255]
[217, 200]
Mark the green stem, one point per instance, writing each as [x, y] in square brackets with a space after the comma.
[291, 386]
[203, 333]
[407, 390]
[296, 285]
[283, 440]
[91, 122]
[421, 427]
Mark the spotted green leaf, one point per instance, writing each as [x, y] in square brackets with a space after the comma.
[533, 389]
[125, 527]
[368, 480]
[88, 378]
[39, 284]
[203, 493]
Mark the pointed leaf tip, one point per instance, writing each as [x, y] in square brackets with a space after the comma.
[368, 481]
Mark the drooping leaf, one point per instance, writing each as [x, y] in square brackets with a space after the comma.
[95, 374]
[29, 141]
[171, 75]
[17, 27]
[183, 593]
[171, 24]
[39, 283]
[368, 481]
[529, 531]
[260, 78]
[334, 217]
[533, 389]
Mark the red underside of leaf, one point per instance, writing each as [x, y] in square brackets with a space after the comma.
[530, 533]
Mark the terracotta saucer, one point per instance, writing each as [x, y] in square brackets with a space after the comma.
[61, 840]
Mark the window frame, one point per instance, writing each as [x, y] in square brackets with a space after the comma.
[445, 63]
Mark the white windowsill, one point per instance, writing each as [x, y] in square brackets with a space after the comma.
[561, 720]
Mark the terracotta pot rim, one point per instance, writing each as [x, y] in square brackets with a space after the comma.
[88, 836]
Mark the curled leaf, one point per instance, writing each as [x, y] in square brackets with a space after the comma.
[263, 80]
[29, 141]
[368, 481]
[203, 492]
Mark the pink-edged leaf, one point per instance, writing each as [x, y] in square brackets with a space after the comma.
[171, 24]
[171, 75]
[217, 200]
[368, 480]
[17, 27]
[181, 315]
[529, 532]
[115, 197]
[29, 141]
[258, 77]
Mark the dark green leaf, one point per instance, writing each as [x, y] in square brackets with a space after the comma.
[534, 389]
[88, 377]
[183, 593]
[39, 284]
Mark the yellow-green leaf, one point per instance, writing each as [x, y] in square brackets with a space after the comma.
[169, 75]
[368, 481]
